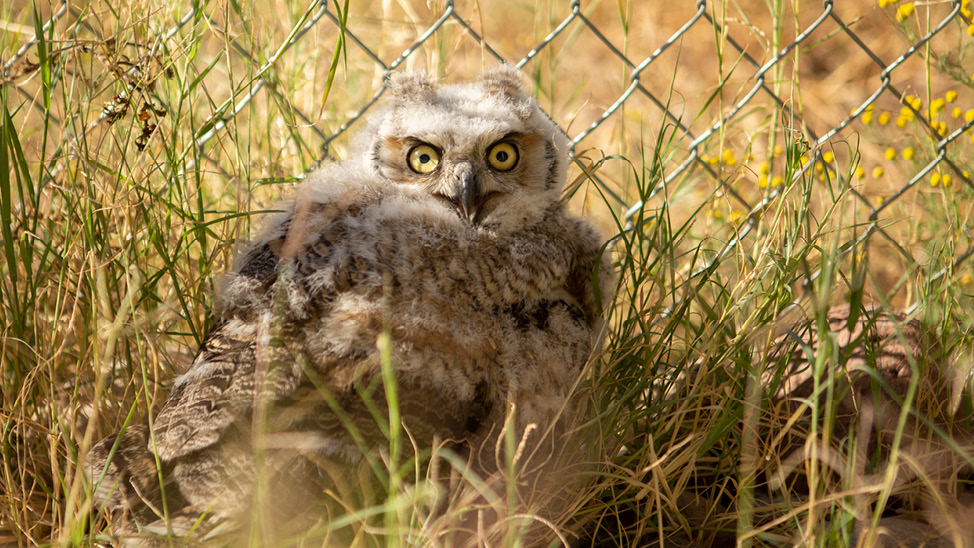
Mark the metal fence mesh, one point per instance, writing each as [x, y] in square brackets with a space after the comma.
[730, 130]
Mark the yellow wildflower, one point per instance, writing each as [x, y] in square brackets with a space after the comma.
[908, 153]
[728, 157]
[877, 172]
[948, 180]
[884, 118]
[957, 112]
[828, 157]
[764, 168]
[890, 153]
[904, 11]
[860, 173]
[935, 179]
[950, 96]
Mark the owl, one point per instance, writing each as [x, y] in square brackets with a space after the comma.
[433, 284]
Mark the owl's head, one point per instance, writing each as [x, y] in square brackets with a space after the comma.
[484, 149]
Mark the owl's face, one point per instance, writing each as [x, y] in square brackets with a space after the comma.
[485, 150]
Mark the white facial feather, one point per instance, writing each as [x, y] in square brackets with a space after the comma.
[462, 122]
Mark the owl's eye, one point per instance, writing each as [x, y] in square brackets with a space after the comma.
[502, 156]
[423, 158]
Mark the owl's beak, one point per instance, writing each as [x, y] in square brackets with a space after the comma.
[468, 198]
[469, 202]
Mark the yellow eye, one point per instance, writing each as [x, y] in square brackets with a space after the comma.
[502, 156]
[423, 158]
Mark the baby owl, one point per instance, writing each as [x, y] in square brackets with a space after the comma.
[441, 252]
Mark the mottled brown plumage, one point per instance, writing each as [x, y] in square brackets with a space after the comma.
[447, 233]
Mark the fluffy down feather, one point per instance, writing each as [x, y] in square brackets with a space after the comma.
[484, 315]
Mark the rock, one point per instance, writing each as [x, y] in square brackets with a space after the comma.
[876, 363]
[901, 533]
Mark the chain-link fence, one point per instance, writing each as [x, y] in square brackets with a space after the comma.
[886, 51]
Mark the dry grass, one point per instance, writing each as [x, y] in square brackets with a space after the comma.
[115, 223]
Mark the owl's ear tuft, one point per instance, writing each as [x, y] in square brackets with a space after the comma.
[412, 86]
[504, 79]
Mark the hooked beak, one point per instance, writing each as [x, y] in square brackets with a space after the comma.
[468, 198]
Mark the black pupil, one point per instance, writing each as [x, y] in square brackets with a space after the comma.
[501, 156]
[424, 158]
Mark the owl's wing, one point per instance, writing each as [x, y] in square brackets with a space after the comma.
[127, 481]
[218, 390]
[251, 359]
[139, 474]
[241, 364]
